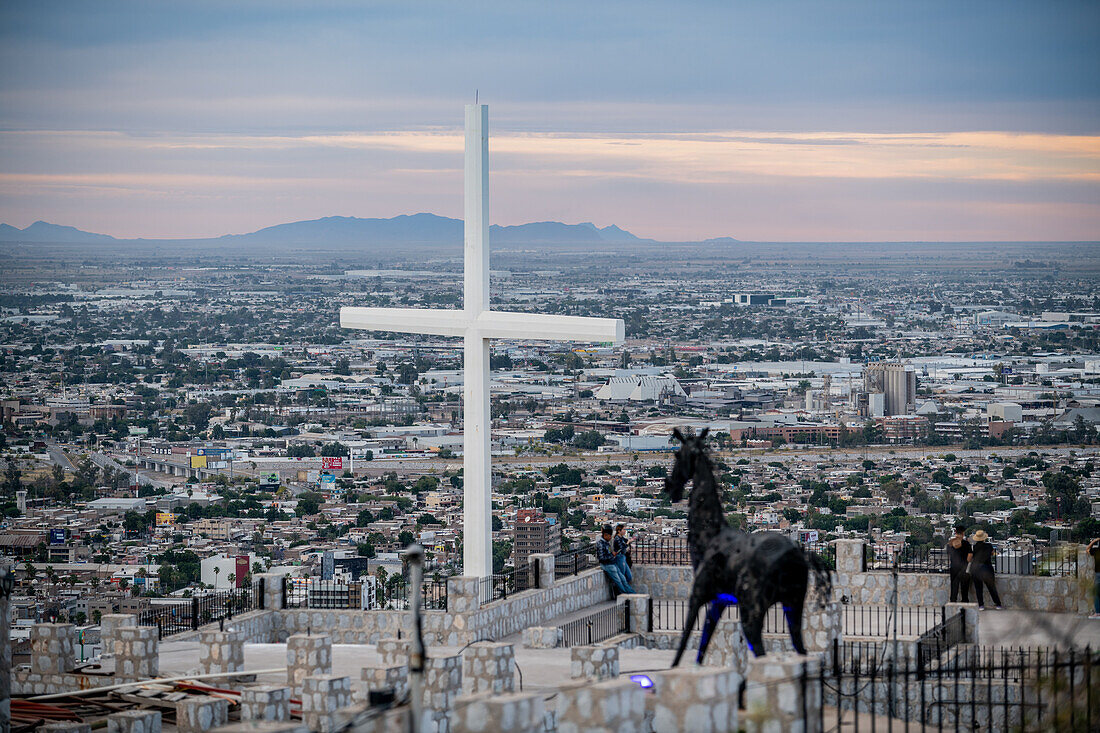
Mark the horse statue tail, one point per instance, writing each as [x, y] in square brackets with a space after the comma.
[823, 576]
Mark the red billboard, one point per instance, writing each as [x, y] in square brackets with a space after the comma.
[242, 570]
[332, 462]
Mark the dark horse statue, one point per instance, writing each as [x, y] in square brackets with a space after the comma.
[751, 571]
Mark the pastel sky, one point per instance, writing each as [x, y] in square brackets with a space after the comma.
[840, 120]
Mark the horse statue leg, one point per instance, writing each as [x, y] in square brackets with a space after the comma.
[694, 605]
[714, 613]
[793, 598]
[793, 612]
[752, 625]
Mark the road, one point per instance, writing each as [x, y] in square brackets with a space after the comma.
[58, 457]
[139, 477]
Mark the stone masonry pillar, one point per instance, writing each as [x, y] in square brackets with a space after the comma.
[1086, 575]
[134, 721]
[110, 623]
[638, 603]
[322, 696]
[197, 714]
[376, 679]
[620, 702]
[782, 694]
[265, 702]
[488, 667]
[546, 568]
[442, 685]
[53, 648]
[273, 591]
[594, 662]
[849, 557]
[513, 713]
[137, 653]
[307, 655]
[462, 594]
[699, 699]
[221, 651]
[821, 625]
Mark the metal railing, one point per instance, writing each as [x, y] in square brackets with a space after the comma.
[367, 593]
[574, 561]
[950, 632]
[675, 551]
[880, 620]
[667, 614]
[499, 586]
[1040, 560]
[596, 627]
[661, 551]
[202, 608]
[1036, 691]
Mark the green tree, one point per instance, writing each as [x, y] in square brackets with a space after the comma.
[309, 502]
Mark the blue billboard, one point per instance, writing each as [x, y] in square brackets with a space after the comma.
[57, 536]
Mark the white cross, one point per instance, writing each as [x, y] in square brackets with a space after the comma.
[477, 324]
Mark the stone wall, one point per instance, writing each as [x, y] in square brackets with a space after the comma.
[1029, 592]
[537, 607]
[663, 581]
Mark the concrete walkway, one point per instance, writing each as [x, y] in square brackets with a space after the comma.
[1008, 628]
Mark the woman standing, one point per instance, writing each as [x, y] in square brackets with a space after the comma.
[981, 569]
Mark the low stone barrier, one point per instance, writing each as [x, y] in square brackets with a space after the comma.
[594, 662]
[200, 714]
[265, 702]
[697, 699]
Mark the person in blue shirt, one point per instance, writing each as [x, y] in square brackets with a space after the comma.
[606, 556]
[621, 546]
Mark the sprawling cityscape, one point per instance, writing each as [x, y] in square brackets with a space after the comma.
[166, 419]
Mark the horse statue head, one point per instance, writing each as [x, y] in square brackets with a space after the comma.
[692, 449]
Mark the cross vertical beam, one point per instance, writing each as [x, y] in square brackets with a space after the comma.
[477, 477]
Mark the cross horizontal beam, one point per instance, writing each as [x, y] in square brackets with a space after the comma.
[488, 324]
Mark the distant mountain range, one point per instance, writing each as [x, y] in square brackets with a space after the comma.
[349, 230]
[42, 231]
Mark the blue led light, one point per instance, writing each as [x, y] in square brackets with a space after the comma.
[643, 681]
[727, 598]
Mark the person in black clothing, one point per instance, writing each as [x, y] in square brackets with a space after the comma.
[958, 550]
[1094, 550]
[981, 569]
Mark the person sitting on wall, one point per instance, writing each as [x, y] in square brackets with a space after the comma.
[621, 547]
[606, 555]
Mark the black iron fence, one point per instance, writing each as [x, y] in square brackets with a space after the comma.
[825, 550]
[671, 615]
[574, 561]
[661, 551]
[881, 620]
[1037, 690]
[203, 608]
[499, 586]
[675, 551]
[367, 593]
[944, 636]
[1039, 560]
[596, 627]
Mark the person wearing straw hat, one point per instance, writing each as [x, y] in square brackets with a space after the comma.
[981, 569]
